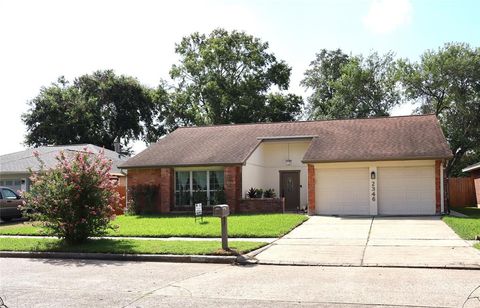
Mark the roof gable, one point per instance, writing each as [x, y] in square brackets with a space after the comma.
[20, 162]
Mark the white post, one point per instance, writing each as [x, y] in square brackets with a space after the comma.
[372, 190]
[442, 193]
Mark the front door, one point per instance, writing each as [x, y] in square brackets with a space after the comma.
[290, 189]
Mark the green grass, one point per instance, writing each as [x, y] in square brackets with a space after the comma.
[466, 227]
[127, 246]
[266, 225]
[469, 211]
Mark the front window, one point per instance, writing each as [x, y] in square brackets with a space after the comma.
[204, 187]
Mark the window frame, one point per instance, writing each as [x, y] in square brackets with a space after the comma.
[191, 190]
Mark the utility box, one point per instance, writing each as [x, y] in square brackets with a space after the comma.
[221, 210]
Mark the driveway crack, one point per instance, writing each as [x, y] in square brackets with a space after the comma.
[366, 243]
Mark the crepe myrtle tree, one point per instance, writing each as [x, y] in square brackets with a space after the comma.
[76, 199]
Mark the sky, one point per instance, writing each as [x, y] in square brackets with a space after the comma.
[42, 40]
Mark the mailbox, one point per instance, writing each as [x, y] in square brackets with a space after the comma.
[221, 210]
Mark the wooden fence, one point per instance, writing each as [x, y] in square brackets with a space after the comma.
[461, 192]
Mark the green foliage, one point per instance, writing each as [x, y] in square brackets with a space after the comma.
[470, 158]
[269, 193]
[446, 82]
[257, 225]
[258, 193]
[99, 109]
[226, 77]
[219, 197]
[144, 199]
[351, 86]
[252, 192]
[127, 246]
[76, 199]
[467, 227]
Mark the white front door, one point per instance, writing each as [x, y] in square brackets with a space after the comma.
[342, 191]
[406, 190]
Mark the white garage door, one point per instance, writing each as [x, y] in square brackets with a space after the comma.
[406, 191]
[342, 191]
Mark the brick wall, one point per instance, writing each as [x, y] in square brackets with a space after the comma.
[233, 186]
[162, 177]
[166, 189]
[264, 205]
[311, 189]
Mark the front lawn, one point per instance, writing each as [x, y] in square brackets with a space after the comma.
[126, 246]
[265, 225]
[466, 227]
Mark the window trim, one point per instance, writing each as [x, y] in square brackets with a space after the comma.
[191, 191]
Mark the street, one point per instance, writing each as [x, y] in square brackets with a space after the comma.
[78, 283]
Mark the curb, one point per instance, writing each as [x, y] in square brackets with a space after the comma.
[419, 266]
[123, 257]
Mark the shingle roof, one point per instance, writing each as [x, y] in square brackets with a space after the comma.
[20, 162]
[406, 137]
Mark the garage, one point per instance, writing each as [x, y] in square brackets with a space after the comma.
[342, 191]
[406, 190]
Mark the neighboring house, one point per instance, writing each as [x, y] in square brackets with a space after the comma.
[474, 170]
[378, 166]
[14, 167]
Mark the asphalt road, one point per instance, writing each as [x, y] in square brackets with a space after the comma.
[77, 283]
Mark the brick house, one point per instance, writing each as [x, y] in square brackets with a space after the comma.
[474, 170]
[378, 166]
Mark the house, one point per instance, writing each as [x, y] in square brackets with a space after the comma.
[474, 170]
[378, 166]
[14, 167]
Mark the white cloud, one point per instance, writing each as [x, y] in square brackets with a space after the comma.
[385, 16]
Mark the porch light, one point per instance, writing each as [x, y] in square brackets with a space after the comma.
[288, 161]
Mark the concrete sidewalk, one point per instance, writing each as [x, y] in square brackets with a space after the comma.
[367, 241]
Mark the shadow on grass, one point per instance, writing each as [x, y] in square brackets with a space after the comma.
[90, 246]
[17, 221]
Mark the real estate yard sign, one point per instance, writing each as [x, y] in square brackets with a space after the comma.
[198, 211]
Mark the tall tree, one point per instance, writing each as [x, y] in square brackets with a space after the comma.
[229, 77]
[446, 82]
[100, 108]
[351, 86]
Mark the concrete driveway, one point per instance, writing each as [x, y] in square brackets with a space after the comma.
[367, 241]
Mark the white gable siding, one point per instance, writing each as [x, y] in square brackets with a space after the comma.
[261, 170]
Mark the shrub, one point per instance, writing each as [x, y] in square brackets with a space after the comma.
[258, 193]
[269, 193]
[252, 192]
[143, 199]
[219, 197]
[76, 199]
